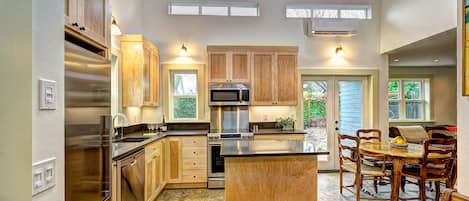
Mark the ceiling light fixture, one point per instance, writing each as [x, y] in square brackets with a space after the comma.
[183, 52]
[115, 30]
[339, 51]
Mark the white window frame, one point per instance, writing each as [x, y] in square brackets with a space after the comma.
[424, 98]
[339, 7]
[172, 96]
[201, 4]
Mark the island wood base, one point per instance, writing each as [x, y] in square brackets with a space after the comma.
[271, 178]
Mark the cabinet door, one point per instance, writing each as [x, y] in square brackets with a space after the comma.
[286, 89]
[154, 77]
[262, 79]
[70, 11]
[174, 166]
[132, 75]
[149, 177]
[92, 18]
[157, 172]
[218, 67]
[240, 67]
[147, 71]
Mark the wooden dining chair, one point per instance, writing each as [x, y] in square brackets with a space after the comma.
[350, 160]
[452, 195]
[433, 169]
[378, 160]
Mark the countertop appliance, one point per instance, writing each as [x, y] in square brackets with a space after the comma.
[231, 94]
[88, 125]
[131, 177]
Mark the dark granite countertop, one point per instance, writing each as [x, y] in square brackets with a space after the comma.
[243, 148]
[122, 149]
[278, 131]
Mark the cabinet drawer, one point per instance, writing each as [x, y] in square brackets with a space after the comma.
[194, 164]
[194, 153]
[194, 176]
[194, 142]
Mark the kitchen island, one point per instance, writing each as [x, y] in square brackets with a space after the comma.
[271, 170]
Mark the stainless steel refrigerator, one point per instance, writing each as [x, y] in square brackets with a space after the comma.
[88, 125]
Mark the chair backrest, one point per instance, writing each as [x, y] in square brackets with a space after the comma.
[349, 149]
[372, 135]
[451, 195]
[439, 166]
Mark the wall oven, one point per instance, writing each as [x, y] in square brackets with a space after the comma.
[232, 94]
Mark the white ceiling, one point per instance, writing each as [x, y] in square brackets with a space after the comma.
[441, 47]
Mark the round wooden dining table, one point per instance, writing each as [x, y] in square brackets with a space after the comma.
[399, 156]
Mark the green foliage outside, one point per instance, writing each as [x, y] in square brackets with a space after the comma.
[185, 108]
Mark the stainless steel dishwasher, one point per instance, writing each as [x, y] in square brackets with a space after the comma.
[131, 177]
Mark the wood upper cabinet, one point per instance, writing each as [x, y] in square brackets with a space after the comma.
[89, 18]
[229, 66]
[140, 71]
[286, 82]
[274, 79]
[262, 87]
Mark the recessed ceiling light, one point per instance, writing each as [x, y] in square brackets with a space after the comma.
[396, 60]
[436, 60]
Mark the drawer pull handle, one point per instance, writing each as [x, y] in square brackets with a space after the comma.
[195, 164]
[194, 177]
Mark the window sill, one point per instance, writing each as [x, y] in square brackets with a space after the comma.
[411, 121]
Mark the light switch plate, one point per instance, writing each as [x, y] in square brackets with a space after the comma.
[47, 94]
[43, 176]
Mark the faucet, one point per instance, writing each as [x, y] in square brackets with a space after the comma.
[125, 123]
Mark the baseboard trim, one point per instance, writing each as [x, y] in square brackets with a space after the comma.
[186, 185]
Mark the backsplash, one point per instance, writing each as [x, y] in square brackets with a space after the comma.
[270, 113]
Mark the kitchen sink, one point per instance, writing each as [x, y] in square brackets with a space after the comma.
[131, 139]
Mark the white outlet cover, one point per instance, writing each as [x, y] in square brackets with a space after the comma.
[43, 177]
[47, 94]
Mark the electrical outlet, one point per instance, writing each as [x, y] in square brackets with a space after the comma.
[43, 175]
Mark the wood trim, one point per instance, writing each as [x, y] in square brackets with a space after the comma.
[85, 39]
[224, 48]
[464, 63]
[186, 185]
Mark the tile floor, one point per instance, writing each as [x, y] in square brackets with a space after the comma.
[328, 191]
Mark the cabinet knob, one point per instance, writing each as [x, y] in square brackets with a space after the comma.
[75, 24]
[82, 28]
[195, 164]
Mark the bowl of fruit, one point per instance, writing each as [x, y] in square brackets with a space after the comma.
[399, 142]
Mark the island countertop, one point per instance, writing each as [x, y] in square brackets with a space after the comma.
[242, 148]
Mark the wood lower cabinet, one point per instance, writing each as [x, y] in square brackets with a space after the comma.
[89, 18]
[186, 160]
[140, 71]
[154, 171]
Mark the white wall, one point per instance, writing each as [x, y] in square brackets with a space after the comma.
[443, 93]
[15, 86]
[129, 15]
[463, 118]
[48, 63]
[271, 28]
[404, 21]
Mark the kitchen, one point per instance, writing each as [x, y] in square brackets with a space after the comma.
[154, 100]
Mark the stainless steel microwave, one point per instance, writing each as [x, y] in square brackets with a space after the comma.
[228, 94]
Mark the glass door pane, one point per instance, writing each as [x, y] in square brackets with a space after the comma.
[350, 106]
[315, 113]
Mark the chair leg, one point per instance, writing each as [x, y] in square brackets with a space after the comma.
[403, 181]
[375, 183]
[437, 188]
[423, 189]
[341, 180]
[358, 186]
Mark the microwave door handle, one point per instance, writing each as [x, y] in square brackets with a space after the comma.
[240, 95]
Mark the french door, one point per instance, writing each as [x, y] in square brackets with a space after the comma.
[332, 105]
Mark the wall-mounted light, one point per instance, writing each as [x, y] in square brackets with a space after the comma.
[183, 52]
[115, 30]
[339, 51]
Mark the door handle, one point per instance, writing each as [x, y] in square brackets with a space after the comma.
[336, 129]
